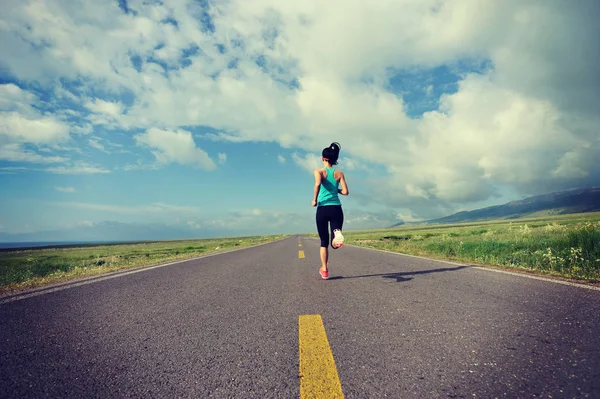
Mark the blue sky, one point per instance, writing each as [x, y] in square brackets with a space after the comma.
[207, 118]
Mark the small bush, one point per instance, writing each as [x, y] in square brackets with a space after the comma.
[41, 269]
[397, 238]
[478, 232]
[586, 237]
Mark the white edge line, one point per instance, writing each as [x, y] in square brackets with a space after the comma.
[111, 275]
[550, 280]
[589, 287]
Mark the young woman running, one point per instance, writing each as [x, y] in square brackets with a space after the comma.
[329, 206]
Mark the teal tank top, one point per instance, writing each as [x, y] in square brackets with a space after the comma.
[328, 193]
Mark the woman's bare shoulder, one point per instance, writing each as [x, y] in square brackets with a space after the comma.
[320, 172]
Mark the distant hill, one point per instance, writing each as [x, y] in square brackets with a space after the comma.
[557, 203]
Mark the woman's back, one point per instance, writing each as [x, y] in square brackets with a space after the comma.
[328, 195]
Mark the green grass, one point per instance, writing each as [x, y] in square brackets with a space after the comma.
[36, 267]
[559, 245]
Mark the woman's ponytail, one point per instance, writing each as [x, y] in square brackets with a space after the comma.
[336, 147]
[332, 153]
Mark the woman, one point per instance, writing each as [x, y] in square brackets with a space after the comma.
[329, 206]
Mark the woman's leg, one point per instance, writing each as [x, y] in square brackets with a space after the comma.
[337, 221]
[324, 257]
[322, 228]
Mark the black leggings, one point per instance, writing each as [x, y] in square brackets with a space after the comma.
[331, 215]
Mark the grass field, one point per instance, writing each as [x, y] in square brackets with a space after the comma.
[35, 267]
[565, 246]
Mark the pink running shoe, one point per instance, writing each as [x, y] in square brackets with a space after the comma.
[324, 274]
[338, 239]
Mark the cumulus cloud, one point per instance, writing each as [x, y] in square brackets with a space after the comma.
[352, 164]
[15, 152]
[82, 129]
[21, 122]
[41, 130]
[281, 159]
[23, 126]
[295, 73]
[110, 108]
[12, 98]
[308, 162]
[175, 147]
[105, 112]
[486, 133]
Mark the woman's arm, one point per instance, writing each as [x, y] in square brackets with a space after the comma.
[344, 189]
[318, 179]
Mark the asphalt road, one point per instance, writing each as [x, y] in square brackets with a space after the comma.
[227, 326]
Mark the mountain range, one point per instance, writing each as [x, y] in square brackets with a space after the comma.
[556, 203]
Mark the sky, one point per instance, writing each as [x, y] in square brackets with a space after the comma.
[168, 119]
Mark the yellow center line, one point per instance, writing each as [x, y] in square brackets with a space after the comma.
[301, 254]
[318, 373]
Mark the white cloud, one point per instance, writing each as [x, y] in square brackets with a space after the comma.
[65, 189]
[281, 159]
[110, 108]
[77, 168]
[107, 113]
[95, 143]
[256, 221]
[12, 170]
[83, 129]
[160, 207]
[140, 166]
[309, 161]
[222, 158]
[154, 208]
[41, 130]
[194, 225]
[115, 145]
[174, 147]
[86, 223]
[14, 152]
[21, 122]
[351, 164]
[357, 220]
[529, 122]
[484, 133]
[12, 98]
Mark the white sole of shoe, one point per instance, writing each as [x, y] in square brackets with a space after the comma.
[338, 241]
